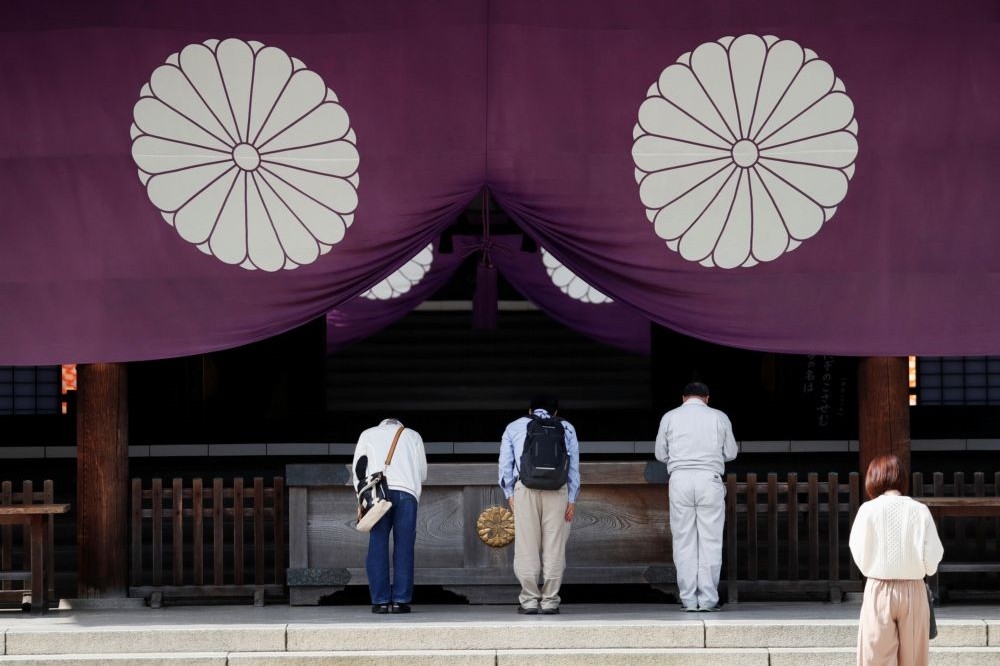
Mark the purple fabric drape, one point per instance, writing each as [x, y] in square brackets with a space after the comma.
[608, 322]
[605, 321]
[360, 317]
[180, 177]
[91, 268]
[905, 261]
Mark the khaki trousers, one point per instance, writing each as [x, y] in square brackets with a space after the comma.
[540, 535]
[895, 622]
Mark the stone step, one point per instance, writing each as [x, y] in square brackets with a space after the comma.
[822, 656]
[556, 634]
[550, 633]
[125, 659]
[779, 634]
[845, 656]
[829, 633]
[536, 657]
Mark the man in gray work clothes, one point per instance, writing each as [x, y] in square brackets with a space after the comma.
[695, 441]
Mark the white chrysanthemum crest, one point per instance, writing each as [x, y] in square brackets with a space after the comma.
[247, 154]
[404, 279]
[571, 284]
[744, 148]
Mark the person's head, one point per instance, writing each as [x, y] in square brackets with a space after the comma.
[884, 473]
[695, 390]
[545, 401]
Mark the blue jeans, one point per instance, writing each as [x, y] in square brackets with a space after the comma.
[401, 520]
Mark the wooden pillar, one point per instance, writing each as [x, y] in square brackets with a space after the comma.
[102, 481]
[883, 410]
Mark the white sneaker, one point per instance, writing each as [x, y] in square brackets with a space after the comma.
[374, 515]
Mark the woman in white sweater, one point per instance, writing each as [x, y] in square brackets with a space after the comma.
[895, 544]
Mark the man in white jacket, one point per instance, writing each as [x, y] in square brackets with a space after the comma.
[405, 476]
[695, 441]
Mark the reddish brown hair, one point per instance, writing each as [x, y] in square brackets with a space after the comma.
[885, 472]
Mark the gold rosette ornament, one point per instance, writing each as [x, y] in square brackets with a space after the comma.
[495, 526]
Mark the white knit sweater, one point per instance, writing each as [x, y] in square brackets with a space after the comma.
[894, 538]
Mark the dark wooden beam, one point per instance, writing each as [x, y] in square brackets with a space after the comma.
[102, 481]
[883, 410]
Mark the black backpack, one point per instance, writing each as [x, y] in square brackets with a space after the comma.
[544, 461]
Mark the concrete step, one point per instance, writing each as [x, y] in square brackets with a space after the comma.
[842, 656]
[145, 659]
[537, 657]
[547, 633]
[803, 634]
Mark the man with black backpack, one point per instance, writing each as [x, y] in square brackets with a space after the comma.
[540, 477]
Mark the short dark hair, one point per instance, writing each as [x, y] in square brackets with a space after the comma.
[885, 472]
[545, 401]
[696, 388]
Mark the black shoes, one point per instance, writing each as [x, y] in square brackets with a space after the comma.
[385, 609]
[550, 611]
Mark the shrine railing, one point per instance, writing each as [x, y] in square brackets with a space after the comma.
[191, 539]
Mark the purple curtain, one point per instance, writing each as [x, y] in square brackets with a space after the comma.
[160, 186]
[563, 297]
[568, 299]
[180, 177]
[392, 299]
[858, 218]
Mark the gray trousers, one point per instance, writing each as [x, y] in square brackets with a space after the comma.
[697, 518]
[540, 535]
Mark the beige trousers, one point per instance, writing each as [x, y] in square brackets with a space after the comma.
[540, 535]
[895, 622]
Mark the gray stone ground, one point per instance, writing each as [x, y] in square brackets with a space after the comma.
[748, 633]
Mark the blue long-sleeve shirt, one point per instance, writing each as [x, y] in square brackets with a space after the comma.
[512, 445]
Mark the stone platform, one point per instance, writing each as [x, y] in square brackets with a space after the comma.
[745, 634]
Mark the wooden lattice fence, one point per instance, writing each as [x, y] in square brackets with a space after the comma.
[15, 544]
[198, 540]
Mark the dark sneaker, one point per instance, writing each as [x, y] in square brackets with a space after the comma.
[521, 610]
[550, 611]
[400, 608]
[380, 609]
